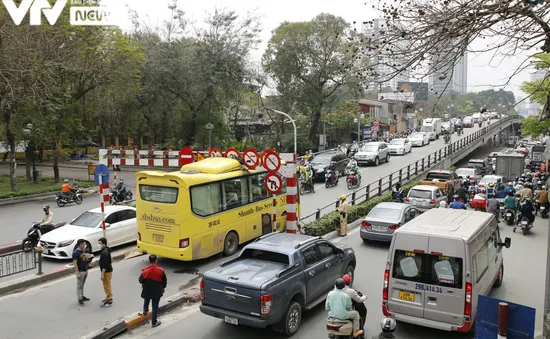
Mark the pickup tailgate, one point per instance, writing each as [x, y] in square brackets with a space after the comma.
[439, 183]
[237, 287]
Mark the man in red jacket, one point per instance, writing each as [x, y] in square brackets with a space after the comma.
[153, 282]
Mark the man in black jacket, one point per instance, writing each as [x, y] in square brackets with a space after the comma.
[153, 282]
[106, 267]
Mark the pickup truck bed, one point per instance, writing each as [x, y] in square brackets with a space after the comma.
[441, 179]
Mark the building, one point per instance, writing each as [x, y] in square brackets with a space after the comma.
[457, 81]
[384, 68]
[537, 75]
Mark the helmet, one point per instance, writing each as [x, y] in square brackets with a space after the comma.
[539, 182]
[456, 197]
[347, 279]
[66, 180]
[398, 185]
[339, 283]
[343, 197]
[543, 187]
[46, 207]
[523, 175]
[499, 179]
[491, 184]
[388, 324]
[121, 180]
[509, 183]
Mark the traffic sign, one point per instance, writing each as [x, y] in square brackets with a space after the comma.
[215, 153]
[251, 159]
[209, 126]
[288, 157]
[288, 171]
[273, 183]
[271, 161]
[103, 172]
[232, 153]
[186, 156]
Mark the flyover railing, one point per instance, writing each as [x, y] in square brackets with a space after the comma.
[405, 174]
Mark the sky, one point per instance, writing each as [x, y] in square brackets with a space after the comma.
[482, 72]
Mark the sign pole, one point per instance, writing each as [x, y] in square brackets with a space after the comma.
[274, 212]
[102, 206]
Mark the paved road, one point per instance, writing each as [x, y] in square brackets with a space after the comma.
[369, 279]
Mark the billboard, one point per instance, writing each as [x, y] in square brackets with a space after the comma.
[420, 88]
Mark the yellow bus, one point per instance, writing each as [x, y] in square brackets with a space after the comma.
[206, 208]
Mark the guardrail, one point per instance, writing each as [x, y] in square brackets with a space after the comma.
[20, 261]
[406, 174]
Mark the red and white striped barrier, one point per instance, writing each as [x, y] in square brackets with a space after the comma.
[291, 197]
[113, 157]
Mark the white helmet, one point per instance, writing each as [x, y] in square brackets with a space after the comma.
[509, 183]
[388, 324]
[539, 182]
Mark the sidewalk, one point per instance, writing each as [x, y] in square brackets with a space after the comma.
[54, 313]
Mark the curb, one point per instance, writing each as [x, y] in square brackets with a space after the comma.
[351, 226]
[18, 284]
[38, 197]
[191, 295]
[11, 247]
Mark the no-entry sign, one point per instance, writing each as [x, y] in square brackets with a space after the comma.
[271, 161]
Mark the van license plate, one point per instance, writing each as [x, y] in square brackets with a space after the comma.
[508, 214]
[406, 296]
[159, 238]
[231, 320]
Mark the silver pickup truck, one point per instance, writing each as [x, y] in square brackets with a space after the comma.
[274, 279]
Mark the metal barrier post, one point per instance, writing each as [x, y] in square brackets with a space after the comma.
[318, 214]
[422, 164]
[416, 168]
[39, 253]
[440, 155]
[380, 187]
[390, 182]
[429, 161]
[353, 198]
[408, 172]
[401, 176]
[367, 195]
[502, 320]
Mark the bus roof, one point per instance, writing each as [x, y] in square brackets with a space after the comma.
[207, 170]
[451, 223]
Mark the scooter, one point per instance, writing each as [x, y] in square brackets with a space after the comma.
[331, 178]
[353, 180]
[509, 216]
[114, 196]
[525, 225]
[35, 233]
[306, 186]
[341, 329]
[62, 199]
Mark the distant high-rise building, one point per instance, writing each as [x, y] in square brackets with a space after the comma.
[534, 106]
[384, 63]
[456, 82]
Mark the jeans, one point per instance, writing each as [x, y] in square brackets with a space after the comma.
[155, 306]
[80, 284]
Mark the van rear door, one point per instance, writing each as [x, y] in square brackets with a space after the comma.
[405, 295]
[445, 280]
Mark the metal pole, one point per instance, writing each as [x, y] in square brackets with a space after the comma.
[274, 226]
[34, 173]
[502, 320]
[358, 127]
[210, 138]
[102, 205]
[39, 250]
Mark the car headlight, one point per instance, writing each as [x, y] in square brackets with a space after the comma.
[65, 243]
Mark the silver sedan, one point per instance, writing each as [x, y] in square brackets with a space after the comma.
[384, 219]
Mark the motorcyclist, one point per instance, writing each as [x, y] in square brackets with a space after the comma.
[355, 170]
[397, 193]
[526, 192]
[67, 189]
[499, 185]
[543, 197]
[47, 219]
[461, 192]
[511, 203]
[388, 327]
[339, 306]
[121, 190]
[310, 176]
[526, 211]
[510, 188]
[457, 204]
[358, 301]
[491, 190]
[493, 207]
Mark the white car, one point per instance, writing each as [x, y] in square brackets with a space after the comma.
[419, 139]
[471, 172]
[486, 180]
[400, 146]
[120, 223]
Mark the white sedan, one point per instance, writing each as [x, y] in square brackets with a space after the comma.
[400, 146]
[120, 223]
[419, 139]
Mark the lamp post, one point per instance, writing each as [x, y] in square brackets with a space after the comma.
[293, 126]
[28, 131]
[357, 120]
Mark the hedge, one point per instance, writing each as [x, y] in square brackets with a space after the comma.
[331, 221]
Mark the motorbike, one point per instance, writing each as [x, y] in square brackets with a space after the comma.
[509, 216]
[331, 178]
[480, 124]
[341, 329]
[543, 211]
[115, 198]
[353, 180]
[525, 225]
[306, 186]
[35, 233]
[62, 199]
[447, 138]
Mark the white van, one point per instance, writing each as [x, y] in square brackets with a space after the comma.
[438, 265]
[477, 118]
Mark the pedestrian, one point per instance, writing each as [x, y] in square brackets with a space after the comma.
[153, 282]
[80, 263]
[106, 267]
[344, 210]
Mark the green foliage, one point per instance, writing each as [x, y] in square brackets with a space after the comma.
[26, 188]
[532, 127]
[331, 221]
[540, 89]
[342, 122]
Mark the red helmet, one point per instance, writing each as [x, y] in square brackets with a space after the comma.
[347, 279]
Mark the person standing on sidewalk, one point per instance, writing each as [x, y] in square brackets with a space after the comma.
[80, 263]
[343, 210]
[153, 282]
[106, 267]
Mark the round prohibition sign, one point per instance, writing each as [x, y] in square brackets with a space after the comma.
[251, 159]
[232, 153]
[271, 161]
[215, 153]
[273, 183]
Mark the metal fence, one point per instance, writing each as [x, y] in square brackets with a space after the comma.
[20, 261]
[404, 175]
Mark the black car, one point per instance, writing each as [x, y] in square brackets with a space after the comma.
[321, 162]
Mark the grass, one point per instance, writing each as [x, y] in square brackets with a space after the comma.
[25, 188]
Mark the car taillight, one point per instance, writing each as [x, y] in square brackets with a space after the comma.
[184, 243]
[468, 300]
[386, 285]
[365, 224]
[139, 236]
[483, 168]
[393, 227]
[432, 202]
[266, 302]
[202, 290]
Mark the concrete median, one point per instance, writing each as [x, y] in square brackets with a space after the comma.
[12, 247]
[20, 284]
[189, 296]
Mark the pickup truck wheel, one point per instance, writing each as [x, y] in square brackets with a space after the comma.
[230, 244]
[292, 319]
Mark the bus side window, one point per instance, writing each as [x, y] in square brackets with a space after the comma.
[236, 192]
[257, 188]
[205, 199]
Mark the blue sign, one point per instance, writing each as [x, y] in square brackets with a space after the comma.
[367, 134]
[104, 172]
[521, 319]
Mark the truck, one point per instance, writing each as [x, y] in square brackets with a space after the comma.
[432, 126]
[442, 179]
[509, 165]
[274, 279]
[537, 156]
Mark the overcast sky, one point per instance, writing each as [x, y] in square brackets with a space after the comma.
[482, 73]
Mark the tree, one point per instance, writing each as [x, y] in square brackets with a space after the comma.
[532, 127]
[310, 61]
[539, 90]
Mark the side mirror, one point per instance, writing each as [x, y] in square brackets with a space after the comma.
[340, 251]
[507, 242]
[107, 225]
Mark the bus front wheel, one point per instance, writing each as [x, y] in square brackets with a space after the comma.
[231, 244]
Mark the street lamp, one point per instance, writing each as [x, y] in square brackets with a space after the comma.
[28, 131]
[358, 122]
[293, 126]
